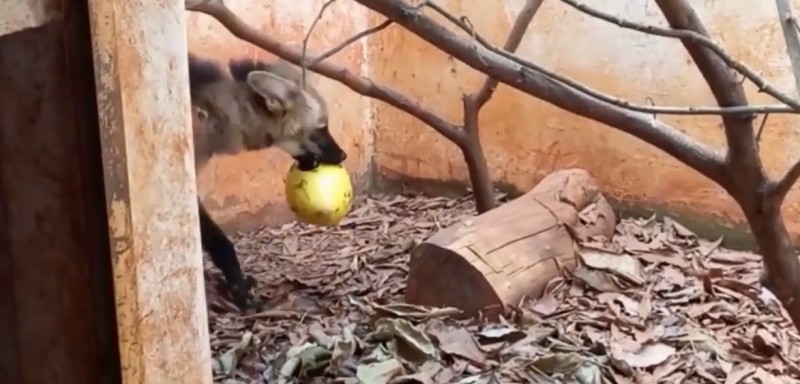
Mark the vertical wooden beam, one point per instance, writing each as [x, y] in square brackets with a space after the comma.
[82, 102]
[140, 61]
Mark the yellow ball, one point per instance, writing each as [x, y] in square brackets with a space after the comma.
[321, 196]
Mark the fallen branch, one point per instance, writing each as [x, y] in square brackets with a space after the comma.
[696, 38]
[361, 85]
[539, 84]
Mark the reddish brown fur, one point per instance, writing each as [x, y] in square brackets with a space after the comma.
[261, 105]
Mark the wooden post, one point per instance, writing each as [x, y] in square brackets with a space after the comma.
[140, 61]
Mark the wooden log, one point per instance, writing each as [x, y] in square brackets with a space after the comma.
[496, 258]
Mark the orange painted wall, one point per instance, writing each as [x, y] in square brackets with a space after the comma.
[524, 138]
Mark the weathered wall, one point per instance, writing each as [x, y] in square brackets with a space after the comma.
[56, 295]
[525, 138]
[246, 190]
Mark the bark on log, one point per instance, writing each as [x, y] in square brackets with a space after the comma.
[496, 258]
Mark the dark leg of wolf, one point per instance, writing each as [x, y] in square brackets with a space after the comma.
[215, 242]
[223, 254]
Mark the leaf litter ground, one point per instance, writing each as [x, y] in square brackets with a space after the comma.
[655, 304]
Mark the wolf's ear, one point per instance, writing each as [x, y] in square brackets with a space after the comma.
[279, 94]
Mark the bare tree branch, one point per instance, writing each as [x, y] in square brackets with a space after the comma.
[761, 128]
[537, 83]
[303, 63]
[361, 85]
[791, 38]
[782, 187]
[512, 43]
[742, 147]
[351, 40]
[741, 173]
[695, 38]
[747, 182]
[603, 97]
[476, 162]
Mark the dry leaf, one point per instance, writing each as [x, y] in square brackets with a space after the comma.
[599, 280]
[337, 312]
[379, 373]
[644, 357]
[739, 373]
[624, 266]
[458, 341]
[545, 305]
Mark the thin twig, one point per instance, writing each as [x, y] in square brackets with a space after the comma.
[688, 35]
[351, 40]
[761, 127]
[361, 85]
[611, 99]
[303, 63]
[791, 38]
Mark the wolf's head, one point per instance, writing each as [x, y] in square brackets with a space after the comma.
[298, 114]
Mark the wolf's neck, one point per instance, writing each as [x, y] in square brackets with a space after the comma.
[233, 124]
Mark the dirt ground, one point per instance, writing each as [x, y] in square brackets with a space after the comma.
[655, 304]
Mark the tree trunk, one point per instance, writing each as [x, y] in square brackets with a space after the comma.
[781, 267]
[479, 178]
[477, 167]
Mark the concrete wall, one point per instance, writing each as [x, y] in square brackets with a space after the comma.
[524, 138]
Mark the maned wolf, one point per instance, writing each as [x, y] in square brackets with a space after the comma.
[261, 105]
